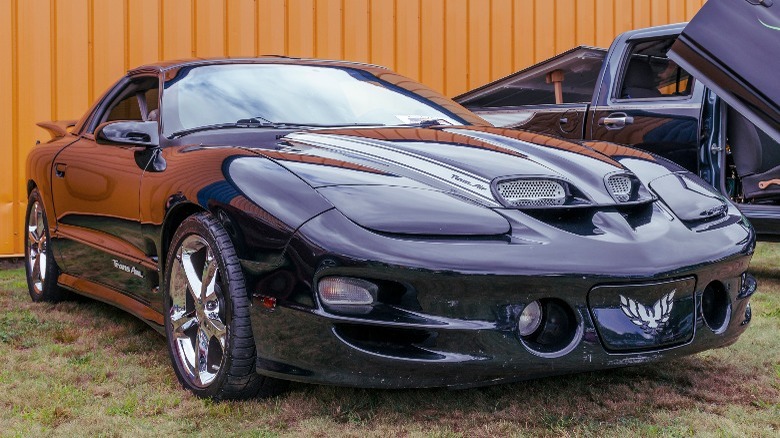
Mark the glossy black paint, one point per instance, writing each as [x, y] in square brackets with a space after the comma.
[415, 211]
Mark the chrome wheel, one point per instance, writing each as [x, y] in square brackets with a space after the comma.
[197, 314]
[208, 325]
[36, 247]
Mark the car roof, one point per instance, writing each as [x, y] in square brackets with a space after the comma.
[164, 66]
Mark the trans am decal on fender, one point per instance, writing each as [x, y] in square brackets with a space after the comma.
[330, 222]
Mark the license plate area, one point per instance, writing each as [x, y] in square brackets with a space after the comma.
[644, 316]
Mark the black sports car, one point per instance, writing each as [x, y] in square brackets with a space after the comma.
[287, 219]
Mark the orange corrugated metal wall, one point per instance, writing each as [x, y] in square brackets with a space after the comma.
[57, 56]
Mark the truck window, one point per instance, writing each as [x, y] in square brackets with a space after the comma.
[649, 74]
[566, 78]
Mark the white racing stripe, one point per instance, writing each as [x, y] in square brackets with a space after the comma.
[385, 152]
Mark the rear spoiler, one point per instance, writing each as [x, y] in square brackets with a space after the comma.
[57, 128]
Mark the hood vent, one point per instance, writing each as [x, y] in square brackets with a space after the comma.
[532, 192]
[620, 187]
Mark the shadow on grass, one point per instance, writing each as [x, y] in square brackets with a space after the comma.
[612, 396]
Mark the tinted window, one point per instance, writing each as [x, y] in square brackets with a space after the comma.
[301, 94]
[576, 71]
[650, 74]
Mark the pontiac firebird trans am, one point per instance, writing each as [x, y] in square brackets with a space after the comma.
[330, 222]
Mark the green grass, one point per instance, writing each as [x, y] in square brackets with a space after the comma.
[85, 368]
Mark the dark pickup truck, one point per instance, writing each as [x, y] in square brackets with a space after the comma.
[635, 94]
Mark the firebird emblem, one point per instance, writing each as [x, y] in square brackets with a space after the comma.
[650, 319]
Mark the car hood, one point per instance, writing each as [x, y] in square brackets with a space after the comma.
[730, 45]
[467, 162]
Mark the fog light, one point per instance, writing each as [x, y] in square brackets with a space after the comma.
[549, 328]
[529, 319]
[340, 291]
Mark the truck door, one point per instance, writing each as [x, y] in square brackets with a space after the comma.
[651, 103]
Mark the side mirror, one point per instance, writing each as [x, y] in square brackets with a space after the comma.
[128, 132]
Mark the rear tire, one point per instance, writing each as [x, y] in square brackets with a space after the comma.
[39, 264]
[207, 317]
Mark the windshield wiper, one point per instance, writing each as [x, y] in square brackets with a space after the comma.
[256, 122]
[243, 123]
[321, 125]
[428, 123]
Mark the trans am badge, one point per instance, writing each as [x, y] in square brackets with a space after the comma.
[650, 319]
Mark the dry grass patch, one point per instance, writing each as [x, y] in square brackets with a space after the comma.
[84, 368]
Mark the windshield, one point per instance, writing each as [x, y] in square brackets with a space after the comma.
[297, 94]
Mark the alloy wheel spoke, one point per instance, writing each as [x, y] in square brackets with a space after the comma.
[193, 279]
[202, 356]
[178, 293]
[209, 277]
[41, 261]
[216, 329]
[182, 324]
[32, 236]
[36, 268]
[39, 222]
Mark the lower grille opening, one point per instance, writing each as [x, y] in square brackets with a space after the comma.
[388, 341]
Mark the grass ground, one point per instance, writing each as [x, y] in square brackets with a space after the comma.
[84, 368]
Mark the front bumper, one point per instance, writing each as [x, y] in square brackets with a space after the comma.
[461, 328]
[477, 344]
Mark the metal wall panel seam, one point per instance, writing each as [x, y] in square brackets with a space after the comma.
[15, 122]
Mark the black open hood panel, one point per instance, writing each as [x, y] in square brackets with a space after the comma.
[733, 47]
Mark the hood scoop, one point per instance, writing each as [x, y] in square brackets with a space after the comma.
[542, 192]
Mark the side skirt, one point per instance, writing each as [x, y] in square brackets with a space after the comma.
[114, 298]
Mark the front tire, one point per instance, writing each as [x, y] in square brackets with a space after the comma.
[40, 267]
[207, 320]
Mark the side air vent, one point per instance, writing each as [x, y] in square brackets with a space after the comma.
[532, 192]
[620, 187]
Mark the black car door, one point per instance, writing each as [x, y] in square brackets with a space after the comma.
[95, 189]
[647, 101]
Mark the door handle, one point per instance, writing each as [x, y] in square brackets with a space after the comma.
[59, 170]
[616, 121]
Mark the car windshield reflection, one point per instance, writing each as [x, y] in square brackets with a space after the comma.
[203, 97]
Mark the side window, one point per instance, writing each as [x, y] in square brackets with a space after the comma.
[137, 101]
[650, 74]
[125, 109]
[568, 78]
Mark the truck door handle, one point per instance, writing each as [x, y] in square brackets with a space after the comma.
[59, 170]
[616, 121]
